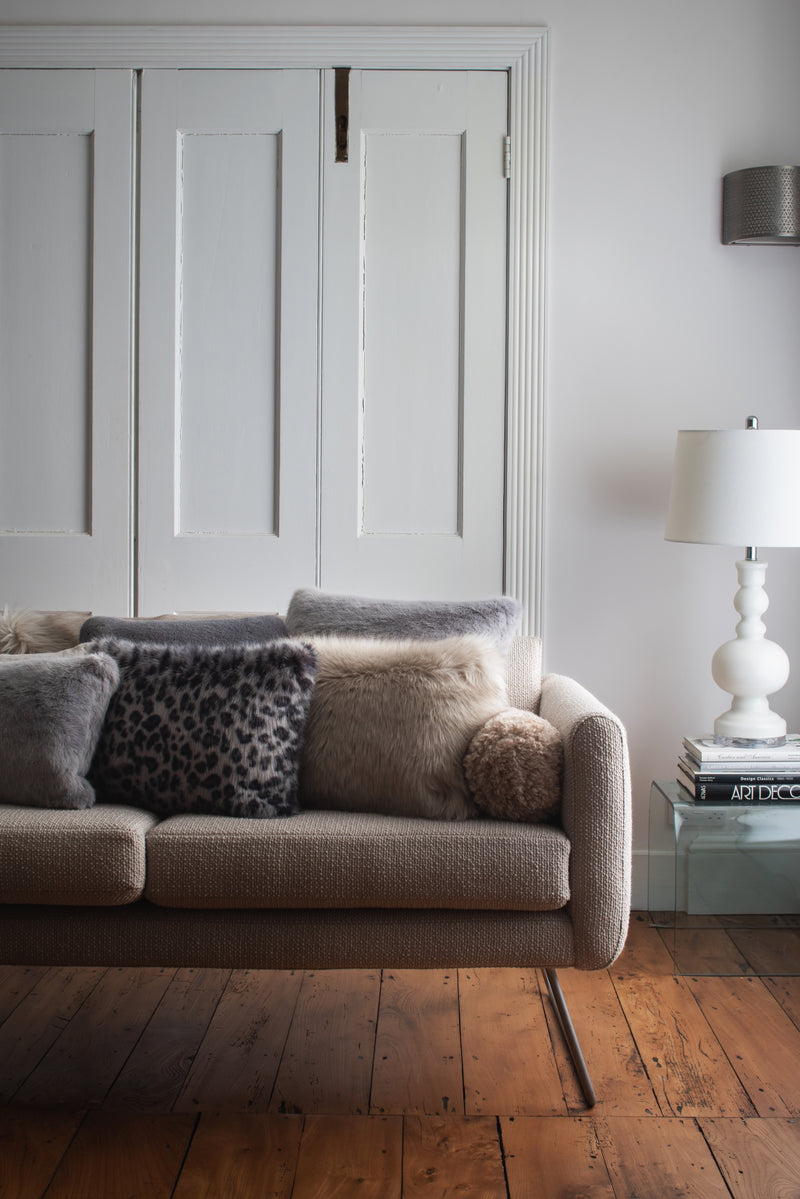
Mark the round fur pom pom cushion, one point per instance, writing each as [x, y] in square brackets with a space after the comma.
[513, 767]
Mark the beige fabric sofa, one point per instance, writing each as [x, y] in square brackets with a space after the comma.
[113, 885]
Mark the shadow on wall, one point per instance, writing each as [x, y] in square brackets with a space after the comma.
[630, 489]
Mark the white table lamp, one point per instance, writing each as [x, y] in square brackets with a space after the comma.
[741, 487]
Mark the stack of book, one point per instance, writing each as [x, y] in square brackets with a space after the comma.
[714, 773]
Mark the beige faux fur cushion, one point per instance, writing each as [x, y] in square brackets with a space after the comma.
[514, 766]
[28, 632]
[390, 721]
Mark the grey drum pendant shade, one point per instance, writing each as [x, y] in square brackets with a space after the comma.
[761, 207]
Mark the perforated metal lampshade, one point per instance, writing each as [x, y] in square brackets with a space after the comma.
[761, 207]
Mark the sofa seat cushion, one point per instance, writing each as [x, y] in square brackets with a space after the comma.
[90, 856]
[356, 860]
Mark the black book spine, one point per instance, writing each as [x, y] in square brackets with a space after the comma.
[748, 791]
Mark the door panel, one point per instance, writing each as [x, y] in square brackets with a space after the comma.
[411, 347]
[66, 164]
[414, 275]
[228, 391]
[229, 185]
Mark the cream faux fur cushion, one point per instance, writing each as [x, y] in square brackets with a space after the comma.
[390, 721]
[514, 766]
[27, 632]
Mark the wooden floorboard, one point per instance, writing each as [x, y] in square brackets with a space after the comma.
[349, 1155]
[238, 1060]
[758, 1037]
[552, 1158]
[83, 1062]
[155, 1073]
[197, 1084]
[35, 1024]
[452, 1155]
[756, 1157]
[33, 1142]
[787, 992]
[326, 1064]
[417, 1068]
[507, 1053]
[242, 1156]
[120, 1154]
[658, 1158]
[609, 1047]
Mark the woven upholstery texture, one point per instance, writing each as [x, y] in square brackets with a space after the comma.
[596, 816]
[353, 860]
[287, 939]
[90, 856]
[524, 673]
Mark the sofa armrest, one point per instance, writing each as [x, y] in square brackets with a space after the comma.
[596, 816]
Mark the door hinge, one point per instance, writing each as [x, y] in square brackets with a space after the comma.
[506, 157]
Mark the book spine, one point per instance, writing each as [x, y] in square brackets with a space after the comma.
[751, 757]
[730, 778]
[764, 757]
[747, 792]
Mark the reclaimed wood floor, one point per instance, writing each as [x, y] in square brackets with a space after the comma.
[195, 1084]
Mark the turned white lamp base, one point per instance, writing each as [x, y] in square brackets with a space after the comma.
[750, 668]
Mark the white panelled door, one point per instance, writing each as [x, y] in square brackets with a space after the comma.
[66, 162]
[345, 427]
[414, 349]
[228, 338]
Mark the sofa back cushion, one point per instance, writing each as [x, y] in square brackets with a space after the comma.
[314, 613]
[242, 630]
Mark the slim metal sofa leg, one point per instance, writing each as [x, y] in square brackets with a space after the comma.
[565, 1020]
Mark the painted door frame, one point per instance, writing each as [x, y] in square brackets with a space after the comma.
[521, 51]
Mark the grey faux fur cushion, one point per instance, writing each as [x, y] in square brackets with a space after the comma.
[241, 630]
[514, 765]
[205, 729]
[390, 721]
[314, 613]
[52, 708]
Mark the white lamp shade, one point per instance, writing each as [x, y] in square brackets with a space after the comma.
[736, 487]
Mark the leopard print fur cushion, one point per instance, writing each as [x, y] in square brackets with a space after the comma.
[210, 730]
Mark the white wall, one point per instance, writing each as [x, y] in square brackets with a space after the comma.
[652, 324]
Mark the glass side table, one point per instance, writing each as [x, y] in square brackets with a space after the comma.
[724, 883]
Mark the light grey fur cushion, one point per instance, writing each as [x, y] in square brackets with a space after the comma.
[390, 721]
[514, 767]
[313, 613]
[52, 708]
[208, 729]
[241, 630]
